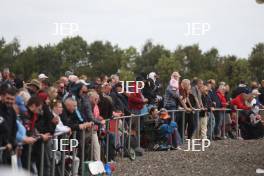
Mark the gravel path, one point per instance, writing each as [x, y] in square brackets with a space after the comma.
[227, 157]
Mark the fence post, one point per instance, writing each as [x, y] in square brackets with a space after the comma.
[224, 124]
[107, 139]
[237, 129]
[173, 116]
[211, 124]
[73, 153]
[116, 132]
[123, 137]
[129, 134]
[29, 158]
[92, 146]
[83, 146]
[183, 127]
[53, 158]
[63, 157]
[138, 131]
[198, 123]
[42, 158]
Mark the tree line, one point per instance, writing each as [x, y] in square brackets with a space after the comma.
[102, 57]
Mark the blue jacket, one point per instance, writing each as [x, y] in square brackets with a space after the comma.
[215, 98]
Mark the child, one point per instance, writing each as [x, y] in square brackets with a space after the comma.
[168, 130]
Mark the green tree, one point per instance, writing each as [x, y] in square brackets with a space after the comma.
[128, 64]
[104, 58]
[8, 52]
[73, 52]
[256, 60]
[26, 63]
[149, 57]
[166, 65]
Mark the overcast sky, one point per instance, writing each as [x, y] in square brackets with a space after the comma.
[232, 26]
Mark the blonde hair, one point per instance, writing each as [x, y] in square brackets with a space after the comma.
[52, 92]
[93, 94]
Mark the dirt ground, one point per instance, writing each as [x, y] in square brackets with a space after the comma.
[226, 157]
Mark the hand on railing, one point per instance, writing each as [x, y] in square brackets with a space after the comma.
[29, 140]
[86, 125]
[188, 110]
[9, 147]
[45, 137]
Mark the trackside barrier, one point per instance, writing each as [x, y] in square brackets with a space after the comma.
[132, 119]
[183, 116]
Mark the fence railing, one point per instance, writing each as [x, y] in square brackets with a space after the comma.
[120, 138]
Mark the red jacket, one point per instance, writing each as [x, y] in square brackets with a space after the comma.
[222, 98]
[240, 103]
[135, 100]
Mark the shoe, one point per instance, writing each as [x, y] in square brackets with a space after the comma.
[156, 146]
[179, 148]
[218, 138]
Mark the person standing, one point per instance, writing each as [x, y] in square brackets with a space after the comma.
[8, 124]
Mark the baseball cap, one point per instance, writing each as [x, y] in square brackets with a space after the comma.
[21, 104]
[255, 92]
[42, 76]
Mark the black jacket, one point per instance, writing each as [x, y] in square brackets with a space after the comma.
[119, 103]
[106, 106]
[44, 124]
[83, 103]
[70, 119]
[150, 91]
[8, 125]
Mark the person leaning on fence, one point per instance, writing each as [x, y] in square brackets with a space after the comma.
[201, 130]
[190, 116]
[30, 120]
[7, 123]
[219, 121]
[171, 97]
[21, 136]
[106, 104]
[57, 109]
[216, 101]
[136, 103]
[70, 118]
[119, 101]
[207, 123]
[185, 104]
[106, 108]
[94, 99]
[136, 100]
[197, 84]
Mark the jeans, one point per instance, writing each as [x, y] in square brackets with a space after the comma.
[210, 125]
[219, 116]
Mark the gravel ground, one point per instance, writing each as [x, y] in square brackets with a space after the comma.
[226, 157]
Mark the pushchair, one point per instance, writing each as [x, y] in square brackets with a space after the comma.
[121, 138]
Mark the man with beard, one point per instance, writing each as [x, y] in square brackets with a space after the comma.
[8, 119]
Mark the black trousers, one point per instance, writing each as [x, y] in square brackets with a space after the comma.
[189, 124]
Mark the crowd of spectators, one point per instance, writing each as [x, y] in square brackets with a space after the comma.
[32, 113]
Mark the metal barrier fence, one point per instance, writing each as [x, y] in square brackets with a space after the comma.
[122, 119]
